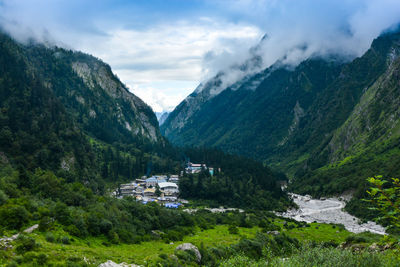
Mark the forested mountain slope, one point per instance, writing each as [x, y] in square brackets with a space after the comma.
[323, 113]
[66, 111]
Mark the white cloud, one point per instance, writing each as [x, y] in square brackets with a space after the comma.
[300, 29]
[163, 95]
[171, 54]
[161, 56]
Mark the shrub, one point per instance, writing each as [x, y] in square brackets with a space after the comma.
[65, 240]
[73, 230]
[50, 237]
[25, 244]
[41, 259]
[45, 223]
[233, 230]
[331, 257]
[13, 216]
[3, 197]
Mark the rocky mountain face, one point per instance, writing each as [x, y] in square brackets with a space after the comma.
[162, 116]
[129, 110]
[310, 121]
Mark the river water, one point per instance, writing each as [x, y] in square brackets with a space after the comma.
[328, 211]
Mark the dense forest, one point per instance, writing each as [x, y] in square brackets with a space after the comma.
[237, 181]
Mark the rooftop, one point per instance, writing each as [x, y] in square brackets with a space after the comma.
[167, 184]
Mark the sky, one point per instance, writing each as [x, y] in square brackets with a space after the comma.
[163, 49]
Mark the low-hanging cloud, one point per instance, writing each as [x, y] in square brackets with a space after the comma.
[298, 30]
[161, 53]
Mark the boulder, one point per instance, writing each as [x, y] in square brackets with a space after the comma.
[273, 233]
[110, 263]
[374, 247]
[190, 246]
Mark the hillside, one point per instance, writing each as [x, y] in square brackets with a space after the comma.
[306, 121]
[66, 111]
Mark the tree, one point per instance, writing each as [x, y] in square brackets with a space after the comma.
[158, 191]
[385, 197]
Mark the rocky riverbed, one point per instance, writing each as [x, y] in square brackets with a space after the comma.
[329, 210]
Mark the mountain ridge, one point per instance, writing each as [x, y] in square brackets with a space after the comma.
[295, 119]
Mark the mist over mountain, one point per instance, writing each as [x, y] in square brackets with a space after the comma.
[319, 121]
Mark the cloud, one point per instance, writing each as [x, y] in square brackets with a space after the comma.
[162, 48]
[298, 30]
[163, 96]
[140, 51]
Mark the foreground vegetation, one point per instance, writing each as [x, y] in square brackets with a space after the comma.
[252, 244]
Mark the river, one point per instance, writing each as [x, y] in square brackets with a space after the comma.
[329, 210]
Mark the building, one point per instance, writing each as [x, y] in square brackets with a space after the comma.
[149, 192]
[152, 181]
[169, 189]
[196, 168]
[139, 191]
[127, 189]
[174, 179]
[141, 181]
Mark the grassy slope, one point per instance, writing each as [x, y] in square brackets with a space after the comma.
[97, 250]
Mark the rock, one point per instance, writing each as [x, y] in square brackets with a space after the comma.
[190, 246]
[373, 247]
[273, 233]
[110, 263]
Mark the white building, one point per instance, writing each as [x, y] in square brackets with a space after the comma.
[169, 188]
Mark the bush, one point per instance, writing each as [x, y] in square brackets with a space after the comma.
[50, 237]
[73, 230]
[331, 257]
[45, 223]
[3, 197]
[65, 240]
[13, 216]
[233, 230]
[25, 244]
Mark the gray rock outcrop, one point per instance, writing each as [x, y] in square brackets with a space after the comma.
[190, 247]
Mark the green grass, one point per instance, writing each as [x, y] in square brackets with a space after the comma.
[98, 250]
[320, 233]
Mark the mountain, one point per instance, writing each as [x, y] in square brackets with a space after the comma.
[162, 116]
[311, 120]
[66, 111]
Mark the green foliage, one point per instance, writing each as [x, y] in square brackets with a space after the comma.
[233, 230]
[25, 244]
[385, 197]
[13, 216]
[242, 182]
[310, 256]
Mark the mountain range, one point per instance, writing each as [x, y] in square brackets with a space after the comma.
[328, 123]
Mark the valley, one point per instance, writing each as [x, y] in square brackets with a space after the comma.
[90, 174]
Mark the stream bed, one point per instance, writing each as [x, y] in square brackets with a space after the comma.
[329, 210]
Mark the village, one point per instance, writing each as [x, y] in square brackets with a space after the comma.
[163, 189]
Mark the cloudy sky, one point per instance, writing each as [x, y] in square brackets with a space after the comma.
[162, 49]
